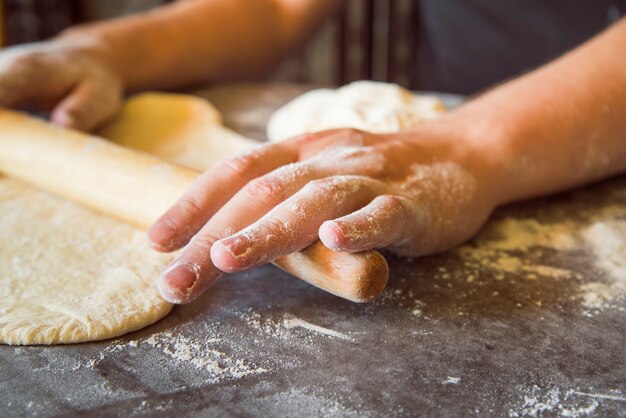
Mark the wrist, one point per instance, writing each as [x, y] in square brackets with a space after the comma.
[476, 146]
[490, 141]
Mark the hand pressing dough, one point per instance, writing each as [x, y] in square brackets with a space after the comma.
[366, 105]
[68, 274]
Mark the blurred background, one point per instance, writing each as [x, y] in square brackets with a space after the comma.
[369, 39]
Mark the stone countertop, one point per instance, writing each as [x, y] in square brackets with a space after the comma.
[528, 319]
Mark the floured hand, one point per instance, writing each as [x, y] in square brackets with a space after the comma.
[415, 192]
[60, 76]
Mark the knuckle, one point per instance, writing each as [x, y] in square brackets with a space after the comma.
[204, 241]
[169, 222]
[263, 189]
[392, 202]
[275, 228]
[351, 136]
[322, 186]
[189, 205]
[239, 165]
[351, 132]
[343, 184]
[307, 137]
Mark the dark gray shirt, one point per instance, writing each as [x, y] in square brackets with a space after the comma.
[469, 45]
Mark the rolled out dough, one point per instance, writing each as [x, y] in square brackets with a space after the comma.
[68, 274]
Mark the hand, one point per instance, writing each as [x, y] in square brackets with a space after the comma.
[415, 193]
[61, 76]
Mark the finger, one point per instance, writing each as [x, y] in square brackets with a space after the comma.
[387, 220]
[197, 273]
[88, 105]
[282, 231]
[207, 197]
[211, 191]
[264, 193]
[247, 206]
[294, 224]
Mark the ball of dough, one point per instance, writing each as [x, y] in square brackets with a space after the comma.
[367, 105]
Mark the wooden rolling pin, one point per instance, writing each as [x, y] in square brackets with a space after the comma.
[138, 188]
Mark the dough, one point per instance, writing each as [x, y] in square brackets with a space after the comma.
[68, 274]
[367, 105]
[179, 128]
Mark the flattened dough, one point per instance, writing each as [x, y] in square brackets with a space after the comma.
[68, 274]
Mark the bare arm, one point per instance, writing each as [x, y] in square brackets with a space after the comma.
[561, 126]
[194, 41]
[81, 75]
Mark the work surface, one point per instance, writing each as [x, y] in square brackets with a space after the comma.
[526, 320]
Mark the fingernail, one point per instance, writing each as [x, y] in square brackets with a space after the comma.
[331, 235]
[182, 277]
[236, 245]
[64, 120]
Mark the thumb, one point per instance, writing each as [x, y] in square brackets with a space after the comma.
[87, 106]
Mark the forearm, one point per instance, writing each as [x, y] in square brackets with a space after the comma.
[191, 42]
[558, 127]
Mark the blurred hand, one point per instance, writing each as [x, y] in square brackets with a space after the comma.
[415, 193]
[60, 76]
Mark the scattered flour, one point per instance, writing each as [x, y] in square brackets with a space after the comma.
[451, 381]
[607, 241]
[554, 401]
[504, 247]
[500, 248]
[280, 329]
[200, 354]
[291, 321]
[267, 326]
[402, 299]
[539, 402]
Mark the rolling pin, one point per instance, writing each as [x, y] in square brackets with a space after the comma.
[137, 188]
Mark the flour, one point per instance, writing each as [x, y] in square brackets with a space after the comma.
[503, 249]
[554, 401]
[451, 381]
[200, 354]
[607, 242]
[281, 329]
[291, 321]
[266, 326]
[500, 247]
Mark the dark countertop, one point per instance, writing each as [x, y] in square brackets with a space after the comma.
[526, 320]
